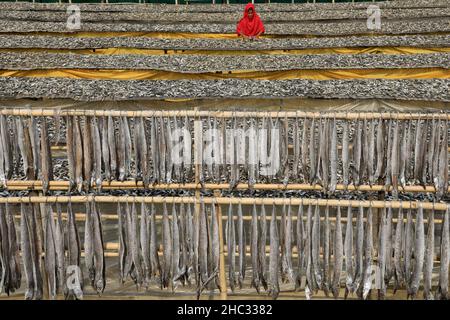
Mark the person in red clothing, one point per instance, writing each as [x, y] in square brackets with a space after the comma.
[250, 26]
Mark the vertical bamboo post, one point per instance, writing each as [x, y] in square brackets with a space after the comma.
[222, 278]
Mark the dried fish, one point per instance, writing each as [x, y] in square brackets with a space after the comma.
[35, 145]
[50, 252]
[338, 254]
[167, 246]
[315, 250]
[97, 153]
[368, 259]
[134, 242]
[241, 245]
[371, 153]
[99, 258]
[13, 250]
[333, 158]
[429, 258]
[309, 287]
[326, 253]
[356, 153]
[359, 250]
[395, 159]
[443, 164]
[176, 274]
[254, 250]
[348, 252]
[301, 242]
[381, 285]
[231, 248]
[71, 151]
[89, 243]
[345, 155]
[380, 147]
[123, 244]
[408, 250]
[389, 263]
[60, 250]
[153, 246]
[46, 158]
[312, 152]
[87, 153]
[112, 148]
[262, 247]
[274, 287]
[419, 253]
[287, 257]
[215, 244]
[75, 289]
[442, 289]
[78, 141]
[27, 251]
[106, 153]
[399, 275]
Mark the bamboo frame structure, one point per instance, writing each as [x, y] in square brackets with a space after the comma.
[222, 114]
[55, 185]
[395, 204]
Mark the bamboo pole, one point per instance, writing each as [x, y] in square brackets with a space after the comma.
[395, 204]
[18, 185]
[12, 110]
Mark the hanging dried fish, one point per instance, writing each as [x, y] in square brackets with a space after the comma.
[356, 153]
[75, 290]
[262, 248]
[380, 147]
[348, 252]
[254, 250]
[315, 250]
[443, 164]
[60, 250]
[169, 147]
[345, 155]
[418, 151]
[285, 151]
[429, 258]
[35, 146]
[338, 254]
[99, 257]
[190, 234]
[389, 263]
[134, 245]
[404, 156]
[176, 274]
[112, 148]
[121, 150]
[312, 152]
[231, 248]
[106, 154]
[301, 250]
[274, 287]
[153, 249]
[50, 252]
[359, 250]
[241, 246]
[78, 141]
[13, 251]
[124, 264]
[309, 287]
[419, 253]
[167, 247]
[184, 246]
[154, 151]
[368, 259]
[217, 150]
[442, 289]
[408, 250]
[381, 285]
[297, 147]
[89, 243]
[326, 254]
[436, 155]
[97, 154]
[46, 158]
[141, 151]
[231, 155]
[333, 157]
[395, 159]
[203, 247]
[287, 258]
[252, 154]
[88, 150]
[399, 267]
[23, 148]
[371, 153]
[7, 156]
[71, 151]
[304, 149]
[187, 150]
[215, 244]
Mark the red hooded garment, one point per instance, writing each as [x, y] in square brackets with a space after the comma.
[250, 27]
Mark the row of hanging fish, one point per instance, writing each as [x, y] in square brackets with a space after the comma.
[309, 248]
[47, 245]
[154, 150]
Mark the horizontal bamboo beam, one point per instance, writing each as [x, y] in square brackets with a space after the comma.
[224, 200]
[82, 217]
[12, 110]
[17, 185]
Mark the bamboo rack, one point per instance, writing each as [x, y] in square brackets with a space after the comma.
[8, 110]
[18, 185]
[224, 200]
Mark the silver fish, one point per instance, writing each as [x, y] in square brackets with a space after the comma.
[301, 239]
[371, 153]
[88, 150]
[312, 151]
[274, 287]
[389, 241]
[368, 259]
[287, 262]
[345, 155]
[398, 244]
[380, 147]
[381, 285]
[167, 246]
[89, 243]
[395, 159]
[409, 248]
[215, 244]
[348, 252]
[315, 250]
[46, 157]
[241, 245]
[175, 248]
[27, 254]
[105, 148]
[73, 254]
[50, 253]
[99, 255]
[443, 164]
[419, 253]
[429, 258]
[262, 247]
[326, 253]
[254, 250]
[60, 250]
[112, 148]
[442, 289]
[153, 247]
[338, 254]
[97, 153]
[78, 141]
[359, 250]
[70, 144]
[309, 287]
[333, 158]
[231, 248]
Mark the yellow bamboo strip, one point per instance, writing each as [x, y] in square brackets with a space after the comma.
[15, 185]
[11, 110]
